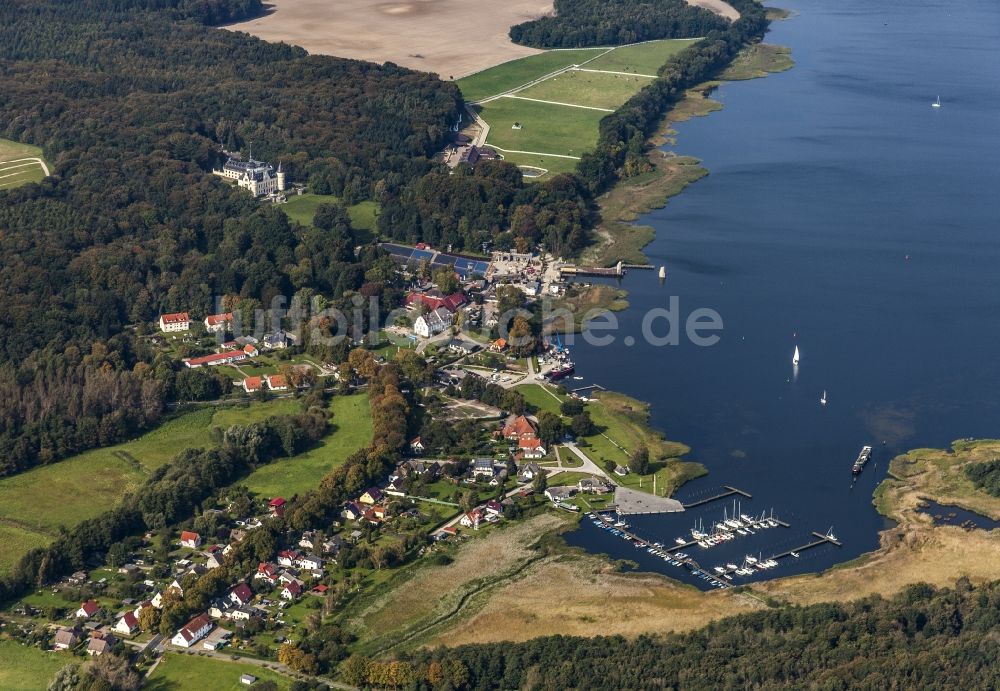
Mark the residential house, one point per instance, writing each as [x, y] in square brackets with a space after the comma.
[88, 609]
[157, 600]
[310, 562]
[190, 540]
[493, 507]
[483, 467]
[241, 594]
[557, 494]
[65, 639]
[214, 559]
[277, 382]
[128, 624]
[499, 345]
[462, 347]
[499, 479]
[519, 427]
[267, 572]
[319, 590]
[621, 470]
[176, 321]
[176, 585]
[253, 384]
[288, 557]
[352, 511]
[472, 519]
[531, 448]
[251, 350]
[277, 340]
[417, 446]
[432, 323]
[100, 643]
[193, 631]
[396, 487]
[593, 485]
[248, 679]
[528, 472]
[309, 539]
[292, 590]
[218, 323]
[277, 507]
[432, 300]
[372, 495]
[227, 357]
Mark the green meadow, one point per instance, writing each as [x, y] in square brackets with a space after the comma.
[510, 75]
[302, 209]
[558, 112]
[34, 504]
[177, 672]
[29, 669]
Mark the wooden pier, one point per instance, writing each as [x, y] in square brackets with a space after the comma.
[588, 388]
[730, 491]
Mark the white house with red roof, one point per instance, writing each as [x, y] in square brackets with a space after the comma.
[531, 447]
[190, 539]
[267, 572]
[277, 506]
[175, 321]
[253, 384]
[472, 519]
[88, 609]
[241, 594]
[277, 382]
[292, 590]
[128, 624]
[218, 323]
[288, 557]
[417, 446]
[519, 427]
[193, 631]
[225, 358]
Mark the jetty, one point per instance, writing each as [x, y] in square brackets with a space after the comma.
[729, 491]
[588, 387]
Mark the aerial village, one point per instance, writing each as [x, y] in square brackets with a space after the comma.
[490, 466]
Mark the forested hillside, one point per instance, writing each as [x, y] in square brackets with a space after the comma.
[130, 100]
[580, 23]
[921, 639]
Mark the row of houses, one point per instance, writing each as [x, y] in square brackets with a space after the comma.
[181, 321]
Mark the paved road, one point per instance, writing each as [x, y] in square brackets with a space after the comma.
[588, 465]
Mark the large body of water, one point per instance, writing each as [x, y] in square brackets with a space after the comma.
[845, 215]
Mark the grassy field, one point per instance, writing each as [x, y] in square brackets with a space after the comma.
[22, 172]
[641, 58]
[594, 84]
[351, 427]
[35, 503]
[596, 90]
[302, 208]
[545, 128]
[178, 672]
[510, 75]
[29, 669]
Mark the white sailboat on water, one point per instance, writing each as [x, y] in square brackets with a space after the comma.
[937, 103]
[795, 356]
[663, 272]
[822, 400]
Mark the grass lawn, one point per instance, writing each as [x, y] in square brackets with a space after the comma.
[35, 503]
[539, 397]
[545, 128]
[177, 672]
[16, 174]
[641, 58]
[26, 669]
[587, 89]
[352, 429]
[510, 75]
[549, 164]
[302, 208]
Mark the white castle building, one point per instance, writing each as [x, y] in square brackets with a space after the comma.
[257, 176]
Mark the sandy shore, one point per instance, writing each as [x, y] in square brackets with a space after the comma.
[452, 38]
[717, 6]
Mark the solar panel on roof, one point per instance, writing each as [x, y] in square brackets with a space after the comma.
[420, 255]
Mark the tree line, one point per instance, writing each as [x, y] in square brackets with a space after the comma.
[923, 637]
[584, 23]
[985, 476]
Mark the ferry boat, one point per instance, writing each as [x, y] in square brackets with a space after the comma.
[863, 457]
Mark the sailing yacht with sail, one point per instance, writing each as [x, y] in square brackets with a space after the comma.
[795, 356]
[822, 400]
[937, 103]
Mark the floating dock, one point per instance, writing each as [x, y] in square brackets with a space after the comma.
[730, 491]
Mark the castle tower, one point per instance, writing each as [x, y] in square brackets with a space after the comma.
[281, 178]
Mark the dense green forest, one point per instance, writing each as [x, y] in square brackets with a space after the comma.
[582, 23]
[985, 476]
[130, 100]
[923, 638]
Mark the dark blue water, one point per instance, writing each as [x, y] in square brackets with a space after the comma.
[823, 180]
[944, 514]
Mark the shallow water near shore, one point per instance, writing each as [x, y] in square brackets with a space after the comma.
[845, 215]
